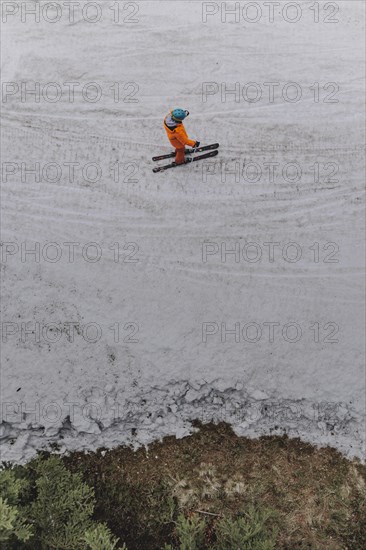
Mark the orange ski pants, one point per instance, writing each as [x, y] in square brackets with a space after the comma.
[179, 149]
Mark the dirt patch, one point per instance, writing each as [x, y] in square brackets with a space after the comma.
[317, 496]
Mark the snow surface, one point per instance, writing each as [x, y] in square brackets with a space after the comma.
[85, 394]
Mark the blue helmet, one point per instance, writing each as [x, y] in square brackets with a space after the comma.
[179, 114]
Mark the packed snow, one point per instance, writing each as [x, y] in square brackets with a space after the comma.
[230, 289]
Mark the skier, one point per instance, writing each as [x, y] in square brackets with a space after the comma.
[177, 135]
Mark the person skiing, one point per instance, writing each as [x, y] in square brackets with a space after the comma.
[177, 135]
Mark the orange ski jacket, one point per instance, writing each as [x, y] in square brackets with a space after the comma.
[176, 133]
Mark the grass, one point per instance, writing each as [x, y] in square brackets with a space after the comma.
[316, 496]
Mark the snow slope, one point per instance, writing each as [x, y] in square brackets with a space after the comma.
[89, 386]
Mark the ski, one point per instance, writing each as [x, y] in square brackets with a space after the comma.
[188, 151]
[188, 161]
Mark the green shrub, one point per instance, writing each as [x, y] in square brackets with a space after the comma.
[13, 526]
[101, 538]
[11, 488]
[58, 506]
[245, 533]
[190, 532]
[63, 507]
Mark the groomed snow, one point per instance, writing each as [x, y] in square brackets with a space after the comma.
[171, 290]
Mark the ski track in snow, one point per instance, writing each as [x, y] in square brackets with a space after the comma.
[83, 395]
